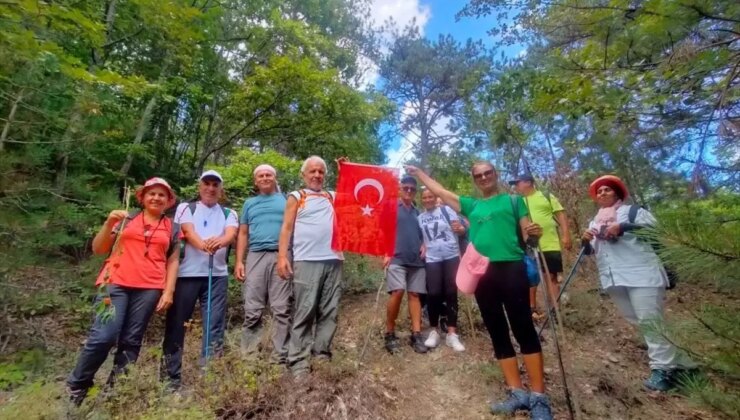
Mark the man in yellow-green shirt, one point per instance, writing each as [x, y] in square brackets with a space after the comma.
[546, 211]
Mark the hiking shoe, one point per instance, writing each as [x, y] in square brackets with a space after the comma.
[453, 340]
[391, 343]
[539, 407]
[77, 396]
[659, 380]
[417, 343]
[518, 400]
[433, 339]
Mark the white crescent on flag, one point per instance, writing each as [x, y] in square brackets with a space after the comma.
[370, 182]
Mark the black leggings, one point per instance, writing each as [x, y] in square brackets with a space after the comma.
[505, 287]
[441, 288]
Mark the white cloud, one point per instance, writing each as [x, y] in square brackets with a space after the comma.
[403, 12]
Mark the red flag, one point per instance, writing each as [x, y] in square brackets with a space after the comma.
[366, 206]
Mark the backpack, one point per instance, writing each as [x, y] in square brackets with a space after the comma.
[657, 246]
[192, 205]
[304, 195]
[533, 274]
[462, 240]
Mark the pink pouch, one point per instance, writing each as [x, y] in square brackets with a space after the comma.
[472, 267]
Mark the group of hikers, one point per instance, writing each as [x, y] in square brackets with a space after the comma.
[162, 264]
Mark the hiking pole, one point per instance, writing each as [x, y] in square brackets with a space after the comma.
[543, 271]
[370, 328]
[562, 289]
[207, 329]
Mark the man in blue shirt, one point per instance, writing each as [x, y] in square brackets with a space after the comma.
[259, 230]
[405, 271]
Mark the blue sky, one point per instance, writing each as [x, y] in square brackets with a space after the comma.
[434, 17]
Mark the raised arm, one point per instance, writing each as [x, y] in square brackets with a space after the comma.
[448, 197]
[104, 239]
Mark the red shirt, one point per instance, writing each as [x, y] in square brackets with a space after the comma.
[140, 259]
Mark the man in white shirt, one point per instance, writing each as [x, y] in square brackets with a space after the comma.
[208, 229]
[316, 270]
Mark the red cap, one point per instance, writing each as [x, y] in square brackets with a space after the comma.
[612, 181]
[153, 182]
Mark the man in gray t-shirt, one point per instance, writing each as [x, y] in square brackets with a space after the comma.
[316, 271]
[405, 271]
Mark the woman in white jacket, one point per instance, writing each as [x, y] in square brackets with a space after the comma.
[633, 276]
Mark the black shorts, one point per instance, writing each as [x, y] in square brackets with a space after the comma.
[554, 261]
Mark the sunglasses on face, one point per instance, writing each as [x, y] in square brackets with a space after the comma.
[409, 189]
[481, 175]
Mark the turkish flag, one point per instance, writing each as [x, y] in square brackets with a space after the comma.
[366, 205]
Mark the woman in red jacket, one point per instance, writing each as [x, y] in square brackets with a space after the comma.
[139, 279]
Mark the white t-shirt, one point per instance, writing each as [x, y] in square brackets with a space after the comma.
[314, 225]
[208, 222]
[440, 240]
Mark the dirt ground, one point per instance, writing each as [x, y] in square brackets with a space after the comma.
[604, 359]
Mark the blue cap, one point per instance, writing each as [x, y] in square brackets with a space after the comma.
[408, 180]
[522, 177]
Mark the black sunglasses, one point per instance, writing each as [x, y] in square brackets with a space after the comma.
[409, 189]
[487, 174]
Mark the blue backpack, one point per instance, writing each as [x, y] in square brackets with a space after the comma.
[533, 274]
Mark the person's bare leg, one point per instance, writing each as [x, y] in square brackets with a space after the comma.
[536, 371]
[414, 311]
[510, 369]
[392, 308]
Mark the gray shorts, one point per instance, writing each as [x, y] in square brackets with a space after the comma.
[411, 279]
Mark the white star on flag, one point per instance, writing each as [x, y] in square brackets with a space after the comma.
[367, 210]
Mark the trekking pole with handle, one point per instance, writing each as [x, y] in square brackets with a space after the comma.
[562, 289]
[543, 272]
[207, 327]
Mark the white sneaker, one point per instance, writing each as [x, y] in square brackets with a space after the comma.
[433, 340]
[453, 341]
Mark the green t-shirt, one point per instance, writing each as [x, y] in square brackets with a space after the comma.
[492, 226]
[543, 213]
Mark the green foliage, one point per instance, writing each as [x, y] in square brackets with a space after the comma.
[20, 368]
[699, 240]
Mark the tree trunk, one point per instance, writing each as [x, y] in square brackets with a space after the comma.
[60, 177]
[140, 131]
[9, 121]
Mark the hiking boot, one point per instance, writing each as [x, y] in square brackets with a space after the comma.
[539, 407]
[417, 343]
[77, 396]
[453, 340]
[433, 339]
[518, 400]
[659, 380]
[391, 343]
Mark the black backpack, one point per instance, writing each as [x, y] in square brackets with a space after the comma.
[462, 240]
[656, 245]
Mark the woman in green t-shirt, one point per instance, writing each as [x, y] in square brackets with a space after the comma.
[503, 292]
